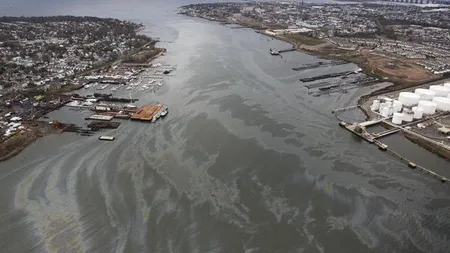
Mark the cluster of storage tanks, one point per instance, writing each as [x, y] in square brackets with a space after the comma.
[413, 105]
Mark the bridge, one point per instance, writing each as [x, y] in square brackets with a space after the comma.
[420, 1]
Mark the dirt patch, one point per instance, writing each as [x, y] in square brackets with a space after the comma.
[397, 68]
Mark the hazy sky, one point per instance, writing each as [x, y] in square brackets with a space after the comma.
[90, 7]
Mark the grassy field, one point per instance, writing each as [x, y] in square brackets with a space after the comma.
[304, 40]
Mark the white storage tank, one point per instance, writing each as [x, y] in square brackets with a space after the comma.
[391, 110]
[440, 91]
[386, 99]
[382, 105]
[397, 106]
[385, 112]
[428, 107]
[418, 112]
[397, 118]
[442, 104]
[376, 105]
[408, 98]
[408, 117]
[425, 94]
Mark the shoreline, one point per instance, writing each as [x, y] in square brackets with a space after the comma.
[363, 100]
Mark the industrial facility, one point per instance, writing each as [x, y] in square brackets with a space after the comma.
[414, 105]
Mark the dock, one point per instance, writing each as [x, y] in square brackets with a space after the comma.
[100, 117]
[103, 124]
[287, 50]
[315, 78]
[274, 51]
[386, 133]
[317, 65]
[146, 112]
[360, 130]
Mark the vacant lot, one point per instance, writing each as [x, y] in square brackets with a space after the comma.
[400, 69]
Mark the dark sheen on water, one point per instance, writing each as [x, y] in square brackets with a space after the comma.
[246, 161]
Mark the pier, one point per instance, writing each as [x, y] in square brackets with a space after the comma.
[274, 51]
[314, 78]
[317, 65]
[386, 133]
[360, 130]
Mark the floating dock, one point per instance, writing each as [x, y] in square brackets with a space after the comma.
[100, 117]
[146, 112]
[103, 124]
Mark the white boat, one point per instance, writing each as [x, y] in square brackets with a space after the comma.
[114, 89]
[106, 138]
[131, 105]
[87, 86]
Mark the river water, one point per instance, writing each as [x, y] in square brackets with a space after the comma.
[246, 161]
